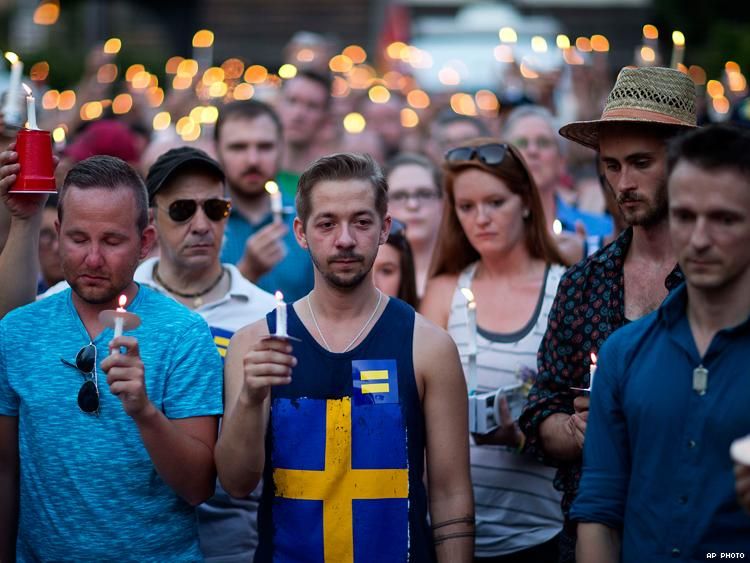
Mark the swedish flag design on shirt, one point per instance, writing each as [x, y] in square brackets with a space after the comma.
[344, 480]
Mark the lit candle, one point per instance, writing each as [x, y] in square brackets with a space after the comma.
[592, 371]
[58, 136]
[120, 319]
[276, 206]
[471, 319]
[678, 48]
[280, 315]
[30, 108]
[11, 110]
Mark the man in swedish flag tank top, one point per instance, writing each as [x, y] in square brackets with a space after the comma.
[341, 422]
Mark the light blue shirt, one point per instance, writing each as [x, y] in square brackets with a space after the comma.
[88, 487]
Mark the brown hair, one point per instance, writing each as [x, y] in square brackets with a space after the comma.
[341, 166]
[454, 251]
[407, 288]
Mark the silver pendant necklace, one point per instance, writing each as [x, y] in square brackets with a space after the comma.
[320, 332]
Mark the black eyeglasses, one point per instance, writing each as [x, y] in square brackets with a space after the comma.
[491, 154]
[183, 209]
[88, 394]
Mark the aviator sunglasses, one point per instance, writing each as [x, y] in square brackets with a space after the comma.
[491, 154]
[183, 209]
[88, 394]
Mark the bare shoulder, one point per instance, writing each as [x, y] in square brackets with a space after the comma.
[434, 350]
[251, 333]
[436, 302]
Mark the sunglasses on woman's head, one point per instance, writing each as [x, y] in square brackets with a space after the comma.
[88, 394]
[491, 154]
[183, 209]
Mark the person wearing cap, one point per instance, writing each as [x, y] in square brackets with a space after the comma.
[623, 281]
[671, 392]
[249, 146]
[187, 194]
[106, 442]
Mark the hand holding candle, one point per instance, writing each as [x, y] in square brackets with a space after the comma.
[120, 319]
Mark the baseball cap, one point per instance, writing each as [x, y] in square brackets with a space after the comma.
[173, 160]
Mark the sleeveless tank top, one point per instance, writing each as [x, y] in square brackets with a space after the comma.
[345, 451]
[516, 505]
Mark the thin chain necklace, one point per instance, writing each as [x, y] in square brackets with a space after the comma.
[196, 297]
[320, 332]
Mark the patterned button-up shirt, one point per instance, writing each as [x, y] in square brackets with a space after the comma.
[589, 306]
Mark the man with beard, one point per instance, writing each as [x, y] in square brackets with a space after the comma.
[672, 391]
[341, 423]
[249, 147]
[117, 471]
[622, 282]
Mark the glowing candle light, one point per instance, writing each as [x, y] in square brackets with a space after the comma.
[557, 227]
[280, 315]
[276, 206]
[678, 48]
[471, 318]
[120, 319]
[30, 108]
[11, 109]
[592, 371]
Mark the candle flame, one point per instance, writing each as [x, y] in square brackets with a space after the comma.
[593, 358]
[468, 294]
[122, 301]
[12, 57]
[272, 188]
[27, 90]
[557, 226]
[279, 296]
[678, 38]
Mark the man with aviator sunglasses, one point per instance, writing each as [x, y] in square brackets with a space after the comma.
[104, 451]
[189, 204]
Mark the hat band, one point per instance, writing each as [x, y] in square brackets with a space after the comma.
[637, 114]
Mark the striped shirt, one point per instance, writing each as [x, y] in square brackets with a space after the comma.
[516, 505]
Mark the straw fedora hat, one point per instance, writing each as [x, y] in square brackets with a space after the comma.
[661, 96]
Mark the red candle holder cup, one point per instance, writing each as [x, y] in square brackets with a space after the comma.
[37, 175]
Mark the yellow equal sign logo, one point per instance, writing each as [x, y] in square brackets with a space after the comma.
[379, 381]
[221, 344]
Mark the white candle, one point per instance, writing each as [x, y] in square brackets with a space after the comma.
[276, 206]
[471, 321]
[592, 370]
[678, 48]
[30, 108]
[119, 319]
[280, 315]
[11, 109]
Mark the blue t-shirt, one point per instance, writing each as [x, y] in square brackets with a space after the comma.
[656, 463]
[597, 225]
[293, 276]
[88, 488]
